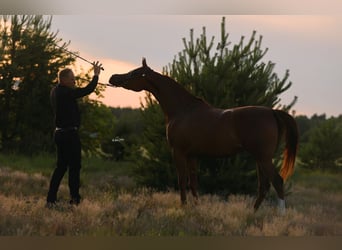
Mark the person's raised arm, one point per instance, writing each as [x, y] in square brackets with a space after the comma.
[80, 92]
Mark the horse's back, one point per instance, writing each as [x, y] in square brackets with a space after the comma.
[220, 132]
[257, 128]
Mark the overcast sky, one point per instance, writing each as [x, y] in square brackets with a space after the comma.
[308, 44]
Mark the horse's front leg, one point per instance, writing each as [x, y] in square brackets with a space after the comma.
[180, 161]
[192, 166]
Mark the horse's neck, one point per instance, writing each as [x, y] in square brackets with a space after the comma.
[172, 97]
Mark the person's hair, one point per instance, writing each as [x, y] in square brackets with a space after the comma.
[64, 73]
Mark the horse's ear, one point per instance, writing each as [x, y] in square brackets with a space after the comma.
[144, 62]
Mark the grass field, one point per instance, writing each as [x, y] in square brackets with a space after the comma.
[113, 206]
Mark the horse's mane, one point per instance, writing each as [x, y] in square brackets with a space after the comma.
[181, 88]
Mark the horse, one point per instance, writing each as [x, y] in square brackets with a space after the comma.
[195, 128]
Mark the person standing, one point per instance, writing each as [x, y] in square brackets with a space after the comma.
[67, 121]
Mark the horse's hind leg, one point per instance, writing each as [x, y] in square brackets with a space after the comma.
[277, 183]
[263, 186]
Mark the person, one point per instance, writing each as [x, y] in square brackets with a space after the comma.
[67, 121]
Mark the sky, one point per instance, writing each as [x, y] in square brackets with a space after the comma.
[307, 41]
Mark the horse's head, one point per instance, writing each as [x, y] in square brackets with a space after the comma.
[133, 80]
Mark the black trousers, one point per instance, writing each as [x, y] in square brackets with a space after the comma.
[68, 157]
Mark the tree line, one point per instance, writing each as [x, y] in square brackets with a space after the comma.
[224, 75]
[320, 142]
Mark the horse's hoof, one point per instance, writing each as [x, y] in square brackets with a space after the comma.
[281, 207]
[256, 205]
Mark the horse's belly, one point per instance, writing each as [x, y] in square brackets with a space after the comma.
[209, 144]
[216, 148]
[212, 136]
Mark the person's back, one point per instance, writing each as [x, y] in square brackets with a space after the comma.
[66, 108]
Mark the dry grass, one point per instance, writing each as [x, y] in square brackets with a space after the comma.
[143, 212]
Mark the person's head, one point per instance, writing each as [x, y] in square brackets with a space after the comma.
[66, 77]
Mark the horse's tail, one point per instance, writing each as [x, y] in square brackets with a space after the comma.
[288, 126]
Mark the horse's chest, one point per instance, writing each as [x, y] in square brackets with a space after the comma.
[171, 131]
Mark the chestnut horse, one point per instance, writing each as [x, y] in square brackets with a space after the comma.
[195, 128]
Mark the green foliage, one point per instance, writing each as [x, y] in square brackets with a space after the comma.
[228, 77]
[305, 125]
[224, 176]
[39, 163]
[98, 125]
[323, 147]
[122, 140]
[225, 77]
[153, 160]
[29, 64]
[324, 181]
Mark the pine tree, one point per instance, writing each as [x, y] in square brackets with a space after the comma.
[225, 77]
[29, 65]
[30, 61]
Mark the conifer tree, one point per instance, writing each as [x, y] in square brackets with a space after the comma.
[29, 65]
[29, 62]
[323, 147]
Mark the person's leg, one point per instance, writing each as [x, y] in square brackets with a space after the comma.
[75, 168]
[61, 168]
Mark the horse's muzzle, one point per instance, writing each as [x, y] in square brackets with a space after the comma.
[116, 80]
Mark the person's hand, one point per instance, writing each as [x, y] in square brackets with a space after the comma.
[97, 68]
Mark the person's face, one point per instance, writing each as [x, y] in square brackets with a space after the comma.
[69, 80]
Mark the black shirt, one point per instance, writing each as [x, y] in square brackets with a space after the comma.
[64, 103]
